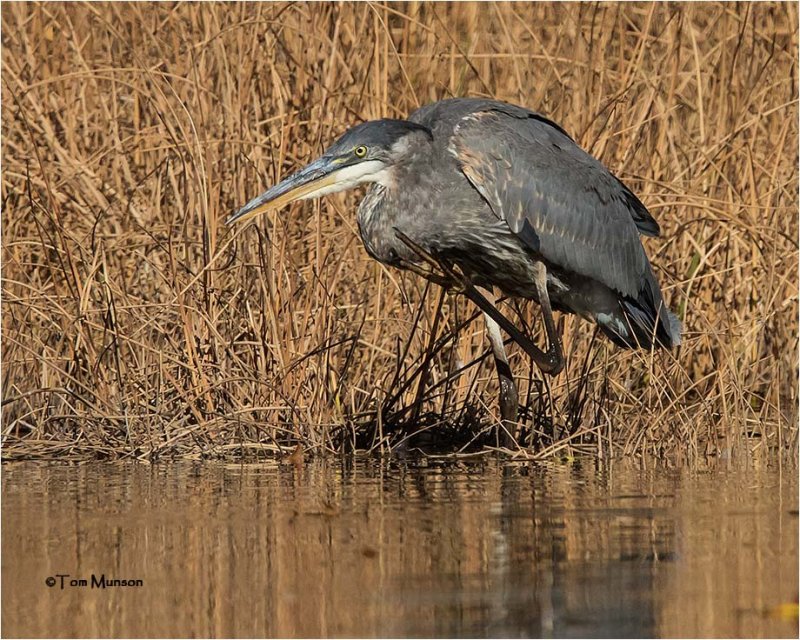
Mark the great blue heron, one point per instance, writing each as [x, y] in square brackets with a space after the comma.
[479, 194]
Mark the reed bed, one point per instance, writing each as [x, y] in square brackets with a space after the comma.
[135, 324]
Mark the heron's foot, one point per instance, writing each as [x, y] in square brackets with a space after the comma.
[446, 283]
[509, 408]
[436, 271]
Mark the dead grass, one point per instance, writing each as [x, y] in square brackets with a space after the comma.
[135, 324]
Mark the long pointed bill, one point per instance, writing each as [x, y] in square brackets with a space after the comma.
[316, 178]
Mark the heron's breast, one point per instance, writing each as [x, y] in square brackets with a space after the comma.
[378, 217]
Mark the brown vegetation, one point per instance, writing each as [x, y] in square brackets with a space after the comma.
[135, 324]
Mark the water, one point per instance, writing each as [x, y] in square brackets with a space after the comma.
[363, 548]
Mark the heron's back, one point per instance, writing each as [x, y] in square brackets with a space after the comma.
[502, 187]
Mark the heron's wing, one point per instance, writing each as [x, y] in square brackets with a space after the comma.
[564, 204]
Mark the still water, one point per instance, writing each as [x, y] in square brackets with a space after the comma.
[370, 548]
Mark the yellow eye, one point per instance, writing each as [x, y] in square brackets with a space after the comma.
[360, 151]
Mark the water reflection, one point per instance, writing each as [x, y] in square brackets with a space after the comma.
[360, 548]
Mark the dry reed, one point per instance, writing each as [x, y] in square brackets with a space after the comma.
[135, 324]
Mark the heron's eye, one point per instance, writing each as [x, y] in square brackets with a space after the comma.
[360, 151]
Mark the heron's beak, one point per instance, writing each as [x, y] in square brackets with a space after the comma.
[317, 178]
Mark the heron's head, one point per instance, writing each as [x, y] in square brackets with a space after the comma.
[365, 153]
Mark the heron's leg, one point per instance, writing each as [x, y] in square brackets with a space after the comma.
[509, 398]
[554, 352]
[551, 362]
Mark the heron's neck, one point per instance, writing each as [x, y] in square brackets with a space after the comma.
[393, 193]
[407, 156]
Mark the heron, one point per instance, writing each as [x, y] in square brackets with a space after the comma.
[480, 195]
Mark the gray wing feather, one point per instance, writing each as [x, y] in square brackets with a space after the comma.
[560, 201]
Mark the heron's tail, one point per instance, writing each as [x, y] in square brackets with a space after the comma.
[644, 322]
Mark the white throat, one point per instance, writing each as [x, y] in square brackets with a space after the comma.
[349, 177]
